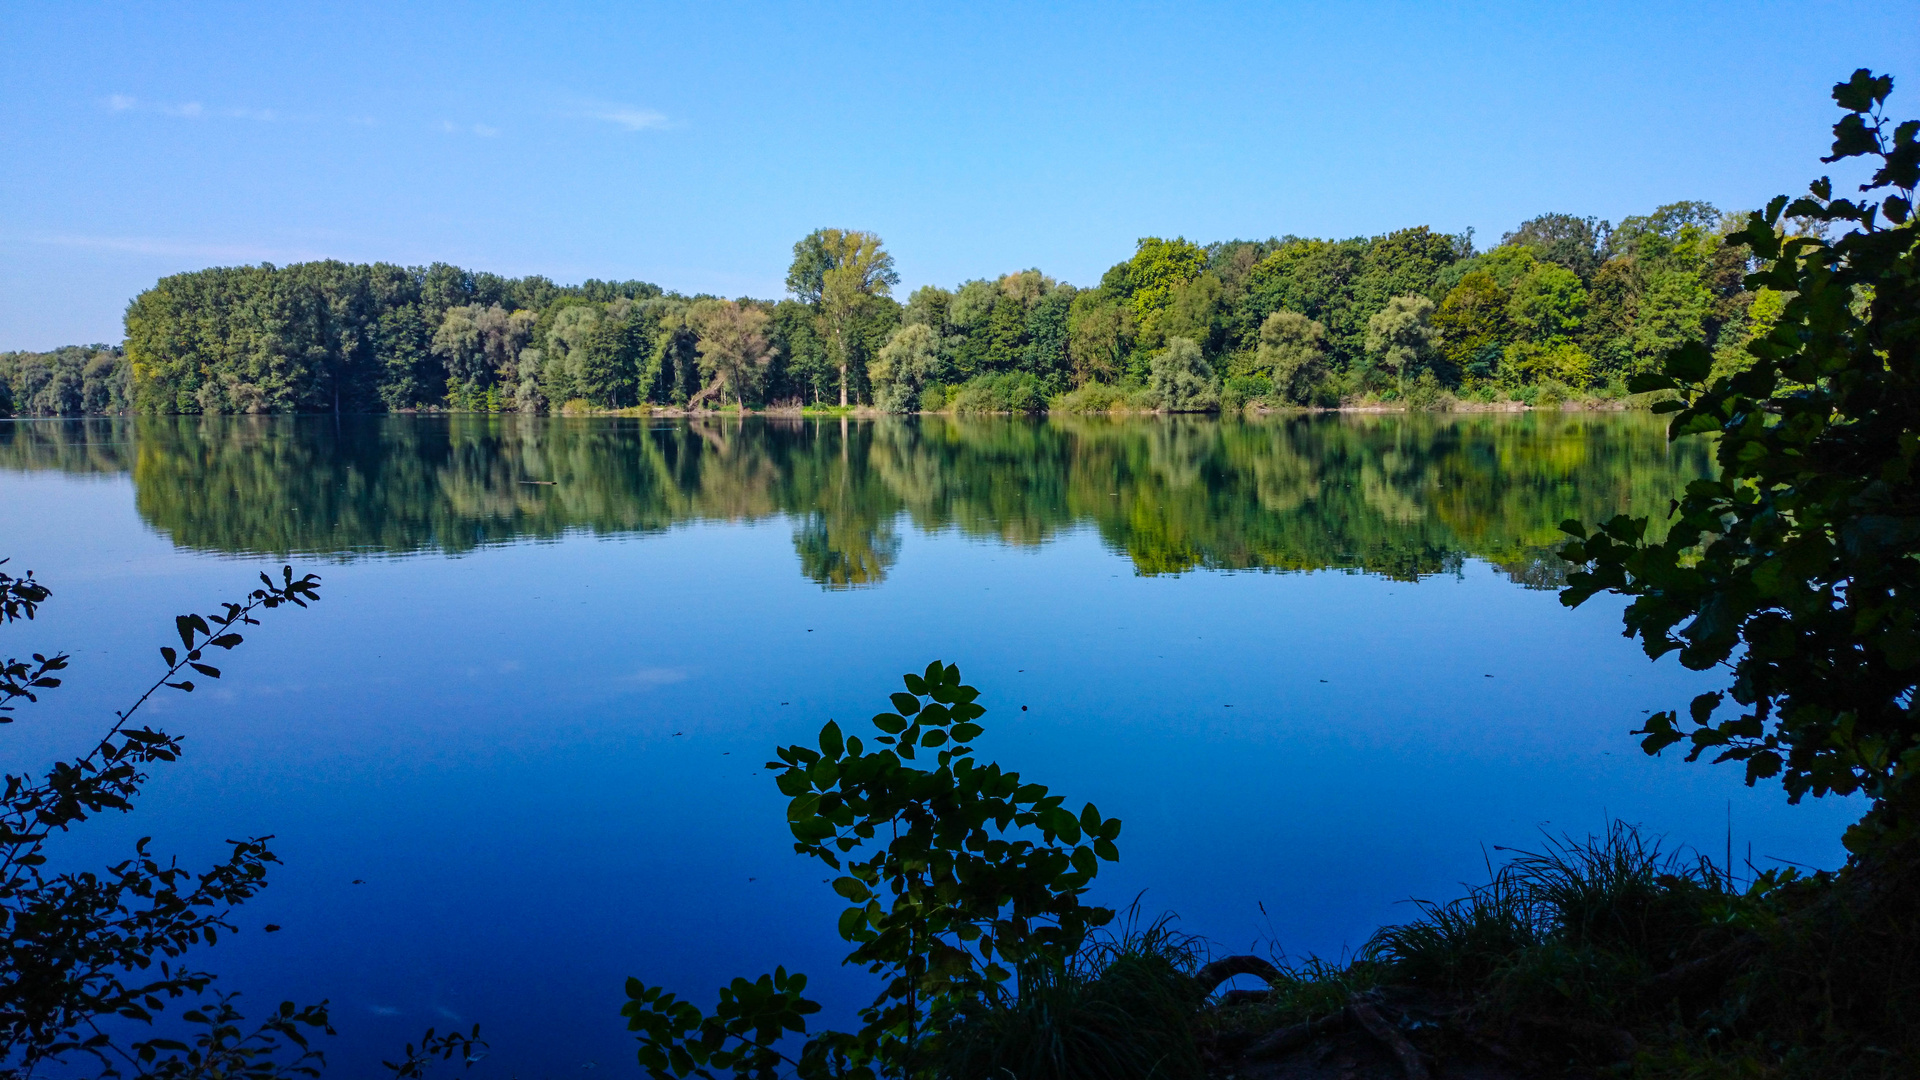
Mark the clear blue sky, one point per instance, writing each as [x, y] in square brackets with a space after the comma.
[690, 145]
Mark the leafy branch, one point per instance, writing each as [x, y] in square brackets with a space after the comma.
[964, 885]
[1796, 566]
[77, 941]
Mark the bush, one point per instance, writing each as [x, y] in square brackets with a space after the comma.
[1014, 391]
[1243, 390]
[1180, 378]
[1426, 394]
[1098, 397]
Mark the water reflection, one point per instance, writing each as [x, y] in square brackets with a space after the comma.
[1396, 495]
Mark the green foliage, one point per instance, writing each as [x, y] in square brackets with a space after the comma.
[1794, 567]
[1099, 335]
[1576, 243]
[964, 885]
[1180, 379]
[1242, 390]
[1292, 354]
[1473, 324]
[1099, 397]
[903, 368]
[69, 381]
[732, 346]
[1548, 304]
[1156, 276]
[845, 275]
[1617, 894]
[1402, 335]
[339, 337]
[1013, 391]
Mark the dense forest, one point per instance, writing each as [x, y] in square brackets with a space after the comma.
[1562, 306]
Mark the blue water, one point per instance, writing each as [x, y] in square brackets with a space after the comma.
[543, 757]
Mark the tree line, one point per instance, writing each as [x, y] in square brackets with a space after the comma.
[1562, 306]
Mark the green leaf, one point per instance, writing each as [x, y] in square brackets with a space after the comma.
[907, 704]
[852, 922]
[852, 889]
[1691, 362]
[1863, 91]
[831, 742]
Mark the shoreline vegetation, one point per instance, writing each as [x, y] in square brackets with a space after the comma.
[1563, 311]
[1103, 400]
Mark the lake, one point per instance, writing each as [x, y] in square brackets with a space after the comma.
[1317, 666]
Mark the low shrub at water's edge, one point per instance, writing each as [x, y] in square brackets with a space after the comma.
[1243, 390]
[1096, 397]
[1014, 391]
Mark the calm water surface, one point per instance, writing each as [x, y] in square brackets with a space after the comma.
[1316, 666]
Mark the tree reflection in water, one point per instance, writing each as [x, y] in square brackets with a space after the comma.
[1392, 494]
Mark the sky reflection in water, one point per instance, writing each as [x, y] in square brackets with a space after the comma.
[531, 717]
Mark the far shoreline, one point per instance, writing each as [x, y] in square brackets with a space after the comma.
[868, 412]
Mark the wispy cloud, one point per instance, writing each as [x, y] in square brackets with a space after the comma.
[629, 117]
[196, 110]
[656, 676]
[146, 245]
[481, 130]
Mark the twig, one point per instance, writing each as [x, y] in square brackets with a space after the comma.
[1368, 1017]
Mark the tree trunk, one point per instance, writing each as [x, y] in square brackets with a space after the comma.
[710, 389]
[843, 386]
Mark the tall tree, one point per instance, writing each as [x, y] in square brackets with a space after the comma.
[481, 347]
[1402, 334]
[1473, 323]
[1097, 337]
[1292, 351]
[1577, 243]
[733, 347]
[839, 271]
